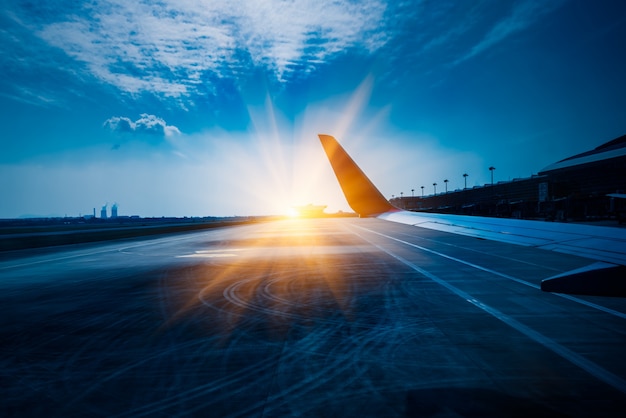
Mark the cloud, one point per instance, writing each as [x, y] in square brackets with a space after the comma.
[183, 48]
[146, 124]
[120, 124]
[450, 32]
[169, 47]
[523, 15]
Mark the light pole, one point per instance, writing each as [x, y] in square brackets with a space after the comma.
[446, 182]
[422, 191]
[465, 178]
[435, 186]
[412, 193]
[491, 169]
[401, 195]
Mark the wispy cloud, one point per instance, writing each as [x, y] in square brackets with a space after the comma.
[169, 47]
[449, 32]
[181, 48]
[30, 96]
[145, 125]
[522, 16]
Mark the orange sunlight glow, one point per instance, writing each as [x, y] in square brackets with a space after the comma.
[293, 212]
[286, 271]
[289, 273]
[280, 163]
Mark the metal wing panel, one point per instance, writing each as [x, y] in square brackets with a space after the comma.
[595, 242]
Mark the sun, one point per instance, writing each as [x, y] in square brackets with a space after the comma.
[293, 212]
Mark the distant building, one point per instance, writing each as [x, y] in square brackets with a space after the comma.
[103, 212]
[587, 186]
[114, 211]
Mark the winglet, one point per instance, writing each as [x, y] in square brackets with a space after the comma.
[362, 196]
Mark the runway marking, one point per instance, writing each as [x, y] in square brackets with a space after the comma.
[497, 273]
[204, 255]
[212, 253]
[50, 260]
[481, 252]
[121, 250]
[574, 358]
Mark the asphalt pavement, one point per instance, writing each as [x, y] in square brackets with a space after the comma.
[317, 317]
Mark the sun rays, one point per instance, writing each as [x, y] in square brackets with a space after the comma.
[282, 164]
[289, 272]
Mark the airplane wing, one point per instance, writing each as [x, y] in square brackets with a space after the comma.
[604, 244]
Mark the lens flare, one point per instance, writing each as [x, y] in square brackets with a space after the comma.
[293, 212]
[288, 274]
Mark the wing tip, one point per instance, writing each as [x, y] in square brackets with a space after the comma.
[362, 196]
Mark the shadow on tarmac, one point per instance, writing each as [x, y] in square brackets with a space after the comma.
[472, 402]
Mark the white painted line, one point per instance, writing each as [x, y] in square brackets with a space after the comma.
[574, 358]
[497, 273]
[50, 260]
[517, 260]
[151, 241]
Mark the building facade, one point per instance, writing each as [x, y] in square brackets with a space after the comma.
[586, 186]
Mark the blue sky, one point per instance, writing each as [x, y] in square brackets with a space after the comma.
[193, 108]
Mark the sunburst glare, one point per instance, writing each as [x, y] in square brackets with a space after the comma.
[289, 273]
[285, 165]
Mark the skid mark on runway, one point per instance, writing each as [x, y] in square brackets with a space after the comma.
[574, 358]
[326, 342]
[330, 326]
[313, 307]
[345, 366]
[497, 273]
[305, 303]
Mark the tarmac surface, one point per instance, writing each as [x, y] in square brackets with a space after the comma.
[319, 317]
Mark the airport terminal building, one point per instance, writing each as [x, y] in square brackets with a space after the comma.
[587, 186]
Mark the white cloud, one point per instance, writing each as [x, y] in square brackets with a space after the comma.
[166, 47]
[146, 124]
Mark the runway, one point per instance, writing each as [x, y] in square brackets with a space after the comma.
[318, 317]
